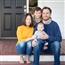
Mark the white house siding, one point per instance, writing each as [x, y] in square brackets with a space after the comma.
[64, 18]
[58, 13]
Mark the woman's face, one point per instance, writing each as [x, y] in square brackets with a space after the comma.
[28, 20]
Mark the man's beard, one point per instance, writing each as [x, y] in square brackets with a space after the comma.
[46, 19]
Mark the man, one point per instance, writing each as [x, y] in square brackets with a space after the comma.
[52, 36]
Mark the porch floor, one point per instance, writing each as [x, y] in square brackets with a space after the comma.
[17, 63]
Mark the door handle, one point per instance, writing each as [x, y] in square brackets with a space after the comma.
[25, 9]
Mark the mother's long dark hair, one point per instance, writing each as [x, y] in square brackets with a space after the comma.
[24, 21]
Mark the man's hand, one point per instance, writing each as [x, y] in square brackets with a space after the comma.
[34, 43]
[44, 36]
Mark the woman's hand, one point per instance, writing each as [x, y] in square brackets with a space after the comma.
[29, 39]
[34, 43]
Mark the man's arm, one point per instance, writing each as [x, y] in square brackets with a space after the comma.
[57, 34]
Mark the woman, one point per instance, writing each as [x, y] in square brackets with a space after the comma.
[24, 34]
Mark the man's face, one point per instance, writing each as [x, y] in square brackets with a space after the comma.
[37, 14]
[46, 14]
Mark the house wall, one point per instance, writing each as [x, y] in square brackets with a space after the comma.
[58, 13]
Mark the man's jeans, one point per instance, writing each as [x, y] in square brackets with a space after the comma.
[24, 48]
[55, 48]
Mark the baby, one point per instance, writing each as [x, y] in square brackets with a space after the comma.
[37, 35]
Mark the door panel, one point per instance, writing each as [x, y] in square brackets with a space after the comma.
[12, 13]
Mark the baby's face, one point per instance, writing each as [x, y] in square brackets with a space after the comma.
[40, 27]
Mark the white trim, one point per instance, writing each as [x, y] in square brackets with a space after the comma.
[27, 4]
[8, 38]
[50, 1]
[17, 58]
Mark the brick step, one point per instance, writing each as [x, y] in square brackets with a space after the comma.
[8, 47]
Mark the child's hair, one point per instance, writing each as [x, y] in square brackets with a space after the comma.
[40, 23]
[38, 9]
[24, 22]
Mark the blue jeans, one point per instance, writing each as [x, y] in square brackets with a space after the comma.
[55, 48]
[37, 50]
[24, 48]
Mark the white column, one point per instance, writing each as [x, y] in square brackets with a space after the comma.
[27, 6]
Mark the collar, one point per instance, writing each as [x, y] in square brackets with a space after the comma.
[37, 20]
[47, 22]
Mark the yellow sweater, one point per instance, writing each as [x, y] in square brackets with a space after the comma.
[23, 33]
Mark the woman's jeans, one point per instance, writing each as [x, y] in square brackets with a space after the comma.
[24, 48]
[55, 48]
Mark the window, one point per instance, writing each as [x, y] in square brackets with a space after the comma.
[32, 5]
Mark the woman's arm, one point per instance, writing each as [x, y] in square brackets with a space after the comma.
[19, 34]
[32, 38]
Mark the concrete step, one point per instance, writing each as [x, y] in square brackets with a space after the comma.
[45, 58]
